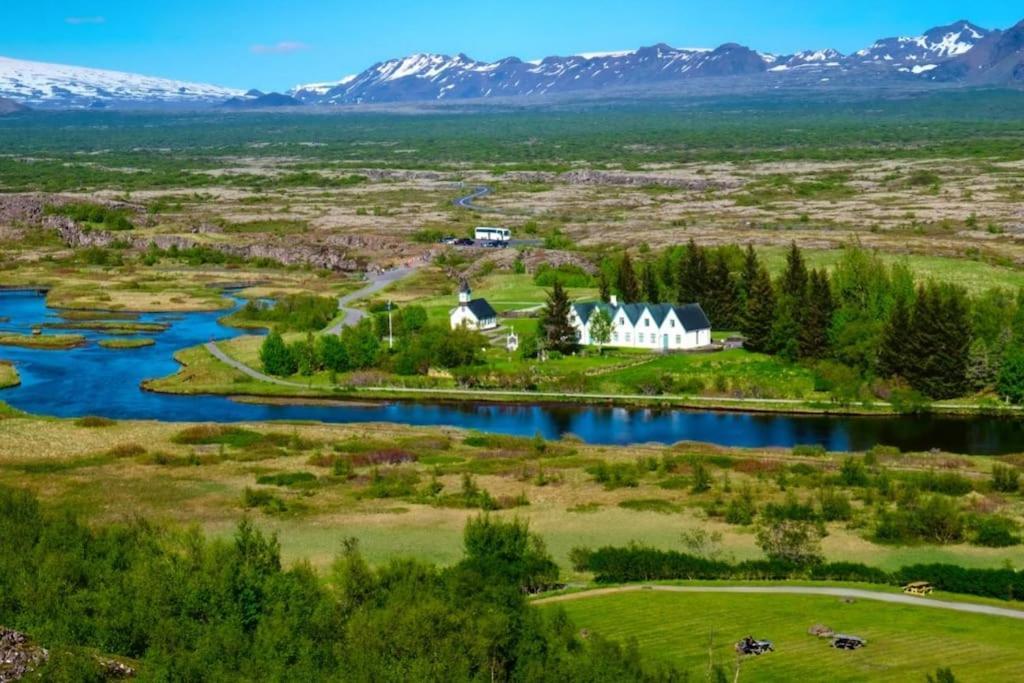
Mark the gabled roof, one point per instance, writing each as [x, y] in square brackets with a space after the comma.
[481, 309]
[464, 286]
[691, 316]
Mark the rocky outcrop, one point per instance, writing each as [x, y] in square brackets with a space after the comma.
[19, 657]
[589, 177]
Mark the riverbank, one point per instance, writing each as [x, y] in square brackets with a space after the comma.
[203, 372]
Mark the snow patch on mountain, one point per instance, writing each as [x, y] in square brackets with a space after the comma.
[43, 84]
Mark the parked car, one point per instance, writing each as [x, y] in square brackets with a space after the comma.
[449, 239]
[751, 646]
[464, 242]
[847, 642]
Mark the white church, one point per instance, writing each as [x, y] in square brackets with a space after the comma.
[476, 314]
[658, 327]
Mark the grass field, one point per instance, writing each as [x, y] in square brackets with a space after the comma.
[904, 643]
[105, 471]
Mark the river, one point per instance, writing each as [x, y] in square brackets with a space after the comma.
[92, 380]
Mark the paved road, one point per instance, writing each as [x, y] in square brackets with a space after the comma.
[375, 283]
[477, 193]
[858, 593]
[243, 368]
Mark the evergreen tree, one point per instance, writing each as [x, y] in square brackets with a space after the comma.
[723, 298]
[558, 333]
[276, 357]
[651, 286]
[629, 288]
[751, 266]
[939, 342]
[893, 358]
[791, 306]
[693, 275]
[759, 314]
[603, 288]
[1011, 377]
[816, 322]
[794, 279]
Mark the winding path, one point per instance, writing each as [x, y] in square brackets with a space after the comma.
[477, 193]
[376, 283]
[352, 316]
[859, 593]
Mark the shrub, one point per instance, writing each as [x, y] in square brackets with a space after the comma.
[217, 434]
[835, 506]
[616, 475]
[94, 421]
[264, 500]
[665, 507]
[853, 472]
[813, 450]
[126, 450]
[993, 531]
[1005, 478]
[741, 509]
[296, 479]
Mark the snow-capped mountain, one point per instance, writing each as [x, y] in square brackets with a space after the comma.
[424, 77]
[920, 54]
[38, 84]
[437, 77]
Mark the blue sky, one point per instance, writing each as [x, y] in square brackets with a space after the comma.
[274, 45]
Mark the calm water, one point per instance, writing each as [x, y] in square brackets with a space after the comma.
[95, 381]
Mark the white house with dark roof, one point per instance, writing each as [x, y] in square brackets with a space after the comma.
[658, 327]
[476, 314]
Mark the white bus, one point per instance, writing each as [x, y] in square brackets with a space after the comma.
[493, 234]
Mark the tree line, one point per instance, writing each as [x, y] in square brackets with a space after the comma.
[418, 345]
[186, 608]
[860, 322]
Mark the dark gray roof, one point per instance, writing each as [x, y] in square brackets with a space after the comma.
[464, 285]
[691, 316]
[481, 309]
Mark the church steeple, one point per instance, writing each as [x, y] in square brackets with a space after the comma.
[465, 293]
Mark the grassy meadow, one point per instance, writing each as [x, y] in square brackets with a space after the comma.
[316, 484]
[904, 642]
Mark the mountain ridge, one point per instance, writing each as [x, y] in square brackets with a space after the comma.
[424, 76]
[960, 53]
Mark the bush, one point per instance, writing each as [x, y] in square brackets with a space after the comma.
[1005, 478]
[813, 450]
[993, 531]
[94, 421]
[106, 217]
[853, 472]
[835, 506]
[616, 475]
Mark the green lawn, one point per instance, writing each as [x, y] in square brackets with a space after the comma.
[8, 375]
[904, 643]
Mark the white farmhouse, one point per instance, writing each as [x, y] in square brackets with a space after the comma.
[476, 314]
[658, 327]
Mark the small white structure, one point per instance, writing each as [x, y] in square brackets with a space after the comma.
[658, 327]
[512, 342]
[485, 234]
[476, 314]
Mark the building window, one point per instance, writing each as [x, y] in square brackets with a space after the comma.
[627, 336]
[679, 340]
[615, 336]
[647, 322]
[671, 323]
[640, 338]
